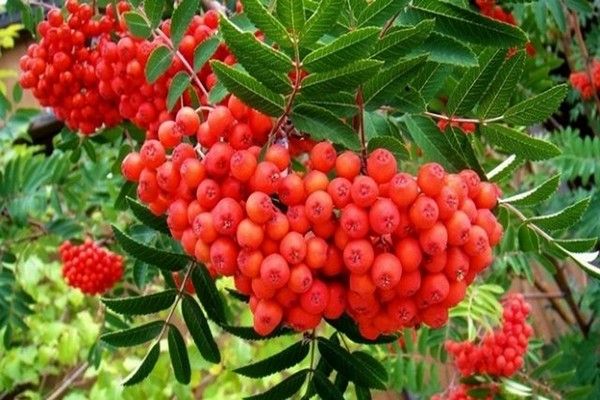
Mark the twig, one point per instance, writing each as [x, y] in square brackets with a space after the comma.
[360, 124]
[544, 296]
[454, 119]
[68, 381]
[561, 281]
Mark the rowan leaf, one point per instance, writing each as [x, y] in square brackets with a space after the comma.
[179, 84]
[266, 22]
[137, 25]
[208, 294]
[144, 369]
[520, 144]
[248, 89]
[346, 364]
[146, 217]
[154, 10]
[536, 195]
[346, 78]
[352, 46]
[501, 89]
[537, 108]
[159, 62]
[181, 18]
[133, 336]
[160, 258]
[320, 22]
[142, 305]
[179, 356]
[199, 330]
[278, 362]
[324, 388]
[401, 40]
[291, 14]
[284, 389]
[562, 219]
[378, 12]
[204, 51]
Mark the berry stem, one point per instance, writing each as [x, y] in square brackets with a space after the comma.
[288, 107]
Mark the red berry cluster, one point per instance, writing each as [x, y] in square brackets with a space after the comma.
[490, 9]
[90, 268]
[90, 80]
[390, 250]
[466, 127]
[581, 81]
[122, 76]
[501, 352]
[61, 69]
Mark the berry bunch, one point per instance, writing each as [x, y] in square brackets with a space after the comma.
[461, 392]
[61, 69]
[122, 77]
[390, 250]
[90, 268]
[501, 352]
[581, 81]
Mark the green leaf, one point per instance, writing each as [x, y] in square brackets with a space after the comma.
[146, 217]
[341, 104]
[436, 145]
[372, 364]
[204, 52]
[348, 365]
[579, 5]
[578, 245]
[346, 78]
[447, 50]
[537, 108]
[153, 10]
[474, 82]
[179, 84]
[180, 21]
[162, 259]
[159, 62]
[380, 11]
[431, 79]
[528, 239]
[133, 336]
[266, 22]
[179, 356]
[291, 14]
[322, 124]
[324, 388]
[378, 90]
[137, 25]
[505, 169]
[248, 89]
[320, 22]
[502, 87]
[467, 25]
[253, 55]
[17, 92]
[248, 333]
[217, 94]
[562, 219]
[145, 367]
[390, 143]
[400, 40]
[207, 293]
[142, 305]
[536, 195]
[283, 360]
[520, 144]
[284, 389]
[352, 46]
[465, 144]
[199, 330]
[362, 393]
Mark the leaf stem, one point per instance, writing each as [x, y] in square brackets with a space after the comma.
[288, 107]
[360, 124]
[454, 119]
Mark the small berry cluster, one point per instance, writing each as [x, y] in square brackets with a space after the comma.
[122, 76]
[581, 81]
[90, 268]
[501, 352]
[490, 9]
[61, 69]
[390, 250]
[466, 127]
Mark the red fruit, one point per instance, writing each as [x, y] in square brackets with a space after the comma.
[223, 256]
[459, 229]
[364, 191]
[227, 215]
[339, 190]
[301, 320]
[361, 284]
[402, 311]
[354, 221]
[278, 155]
[424, 212]
[434, 289]
[403, 189]
[457, 265]
[347, 165]
[300, 278]
[381, 165]
[249, 234]
[435, 316]
[208, 194]
[132, 166]
[447, 201]
[431, 179]
[323, 157]
[316, 252]
[266, 178]
[259, 207]
[478, 241]
[275, 271]
[293, 247]
[315, 180]
[218, 159]
[267, 316]
[315, 299]
[358, 256]
[487, 196]
[153, 154]
[219, 120]
[434, 240]
[409, 284]
[384, 216]
[319, 207]
[337, 301]
[409, 253]
[386, 271]
[242, 165]
[472, 180]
